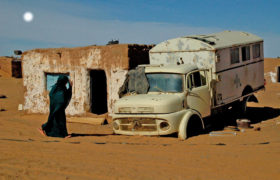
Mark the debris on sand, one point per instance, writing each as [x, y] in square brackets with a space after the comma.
[99, 142]
[76, 142]
[264, 143]
[272, 76]
[2, 96]
[233, 128]
[20, 107]
[257, 128]
[243, 123]
[220, 144]
[50, 141]
[222, 134]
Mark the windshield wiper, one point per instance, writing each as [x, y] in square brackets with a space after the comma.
[159, 89]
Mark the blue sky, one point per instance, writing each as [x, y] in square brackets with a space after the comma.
[70, 23]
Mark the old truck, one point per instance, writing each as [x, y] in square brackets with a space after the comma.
[189, 79]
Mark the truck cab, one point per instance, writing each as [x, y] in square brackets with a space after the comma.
[176, 95]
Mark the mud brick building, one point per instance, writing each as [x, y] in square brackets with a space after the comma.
[97, 73]
[11, 66]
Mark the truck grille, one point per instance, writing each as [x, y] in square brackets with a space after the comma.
[136, 110]
[138, 124]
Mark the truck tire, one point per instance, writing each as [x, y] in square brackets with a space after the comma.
[240, 107]
[194, 127]
[182, 133]
[191, 125]
[243, 106]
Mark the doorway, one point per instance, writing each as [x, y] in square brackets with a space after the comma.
[98, 92]
[278, 74]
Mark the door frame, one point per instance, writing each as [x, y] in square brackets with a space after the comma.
[91, 89]
[193, 97]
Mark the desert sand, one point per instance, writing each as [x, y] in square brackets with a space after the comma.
[95, 153]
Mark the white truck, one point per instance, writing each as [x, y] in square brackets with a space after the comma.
[188, 79]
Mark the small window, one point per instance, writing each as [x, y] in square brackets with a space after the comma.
[234, 55]
[245, 53]
[196, 79]
[256, 50]
[51, 79]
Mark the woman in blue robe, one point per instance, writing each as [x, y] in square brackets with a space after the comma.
[60, 97]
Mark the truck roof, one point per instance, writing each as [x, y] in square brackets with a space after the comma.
[210, 42]
[171, 68]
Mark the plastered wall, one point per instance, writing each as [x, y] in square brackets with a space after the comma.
[6, 65]
[77, 62]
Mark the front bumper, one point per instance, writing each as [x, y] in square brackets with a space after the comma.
[147, 124]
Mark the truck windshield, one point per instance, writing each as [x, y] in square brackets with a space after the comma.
[165, 82]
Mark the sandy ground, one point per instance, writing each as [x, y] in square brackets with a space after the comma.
[94, 153]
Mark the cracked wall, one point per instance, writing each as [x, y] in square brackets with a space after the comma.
[77, 62]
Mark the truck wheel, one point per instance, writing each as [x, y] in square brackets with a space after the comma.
[240, 108]
[194, 127]
[190, 126]
[244, 106]
[182, 133]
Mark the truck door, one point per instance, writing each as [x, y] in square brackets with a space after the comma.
[198, 96]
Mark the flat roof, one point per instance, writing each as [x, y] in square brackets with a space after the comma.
[227, 38]
[209, 42]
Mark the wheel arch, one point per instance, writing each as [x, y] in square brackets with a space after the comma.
[189, 116]
[247, 90]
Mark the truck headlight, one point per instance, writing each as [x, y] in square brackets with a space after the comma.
[116, 126]
[164, 126]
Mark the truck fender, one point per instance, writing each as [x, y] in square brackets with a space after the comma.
[182, 133]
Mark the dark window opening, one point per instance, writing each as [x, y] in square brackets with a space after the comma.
[196, 79]
[256, 50]
[16, 68]
[98, 92]
[234, 55]
[278, 74]
[245, 53]
[51, 79]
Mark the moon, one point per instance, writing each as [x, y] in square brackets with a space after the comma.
[28, 16]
